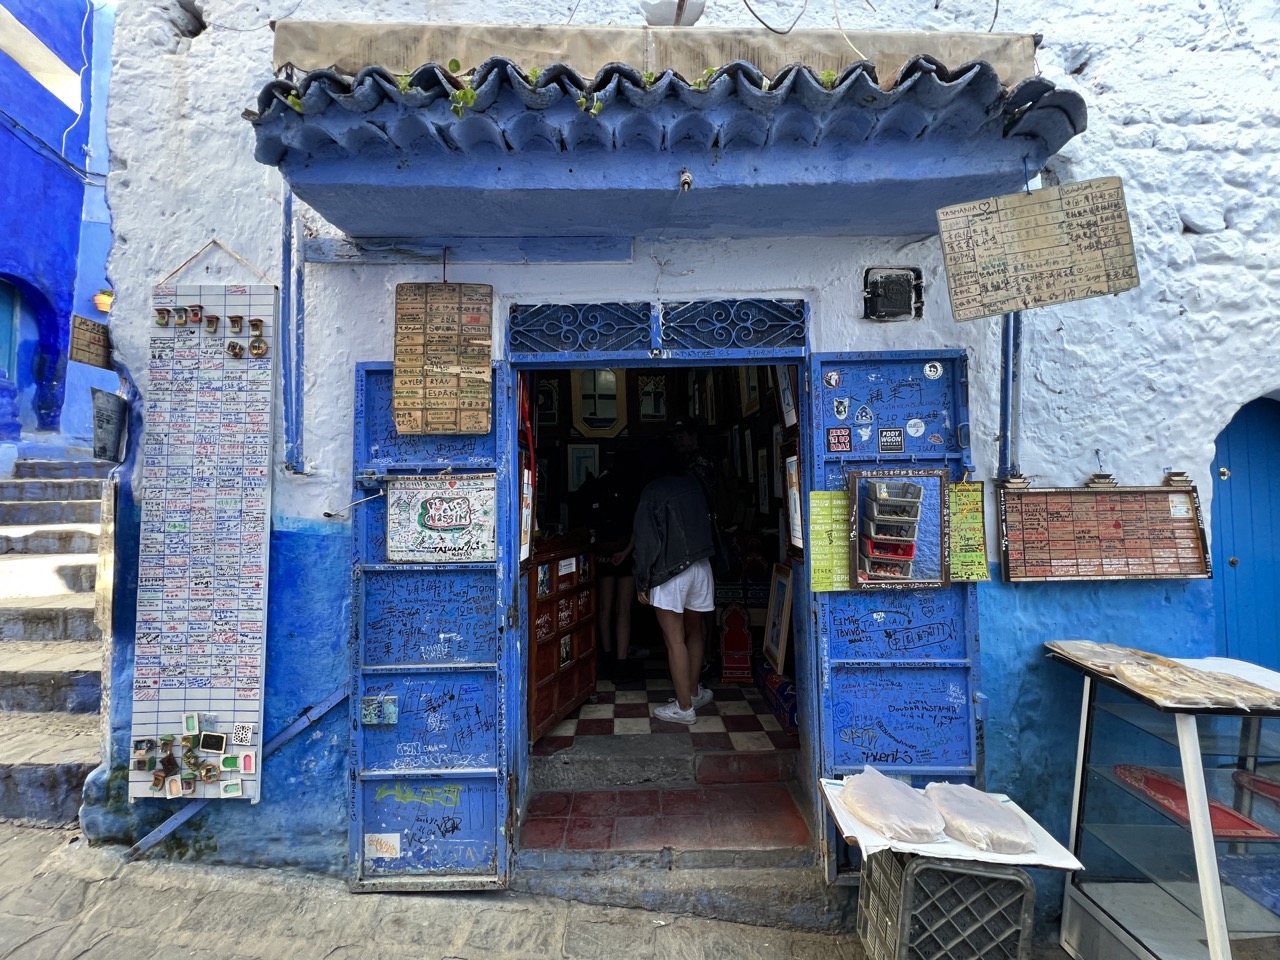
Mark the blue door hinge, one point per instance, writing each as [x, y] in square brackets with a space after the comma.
[980, 705]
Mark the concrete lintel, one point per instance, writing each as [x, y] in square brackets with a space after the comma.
[403, 47]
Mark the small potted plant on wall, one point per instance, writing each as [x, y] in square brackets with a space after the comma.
[103, 300]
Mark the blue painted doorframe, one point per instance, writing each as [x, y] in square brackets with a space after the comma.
[435, 650]
[1246, 535]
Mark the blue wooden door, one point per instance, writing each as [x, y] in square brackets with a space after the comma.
[898, 667]
[1246, 535]
[434, 645]
[8, 329]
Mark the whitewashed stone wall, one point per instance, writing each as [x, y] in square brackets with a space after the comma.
[1183, 103]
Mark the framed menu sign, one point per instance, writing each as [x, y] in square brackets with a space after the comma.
[1113, 533]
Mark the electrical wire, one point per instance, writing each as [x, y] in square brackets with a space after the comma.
[43, 147]
[995, 16]
[835, 5]
[84, 58]
[770, 27]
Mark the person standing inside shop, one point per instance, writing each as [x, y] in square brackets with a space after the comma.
[614, 495]
[673, 546]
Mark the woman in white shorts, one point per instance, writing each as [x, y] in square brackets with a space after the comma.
[673, 544]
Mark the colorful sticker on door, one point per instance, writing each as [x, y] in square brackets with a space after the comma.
[202, 552]
[444, 519]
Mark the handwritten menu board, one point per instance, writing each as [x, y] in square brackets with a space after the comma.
[829, 540]
[444, 519]
[1037, 248]
[90, 342]
[968, 533]
[202, 554]
[444, 339]
[1117, 533]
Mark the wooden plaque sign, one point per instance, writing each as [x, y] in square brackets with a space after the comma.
[442, 357]
[90, 342]
[1115, 533]
[1037, 248]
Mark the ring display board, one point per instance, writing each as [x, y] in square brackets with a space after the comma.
[1037, 248]
[1112, 533]
[202, 556]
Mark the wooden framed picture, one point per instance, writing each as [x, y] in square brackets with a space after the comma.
[778, 620]
[599, 402]
[749, 389]
[795, 511]
[584, 461]
[548, 398]
[653, 398]
[784, 374]
[762, 479]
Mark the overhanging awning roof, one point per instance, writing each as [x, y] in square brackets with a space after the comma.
[385, 156]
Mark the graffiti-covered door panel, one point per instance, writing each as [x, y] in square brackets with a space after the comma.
[897, 657]
[433, 629]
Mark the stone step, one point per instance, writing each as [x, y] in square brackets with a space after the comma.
[49, 511]
[44, 760]
[63, 469]
[43, 676]
[35, 489]
[51, 538]
[620, 761]
[792, 898]
[46, 574]
[65, 616]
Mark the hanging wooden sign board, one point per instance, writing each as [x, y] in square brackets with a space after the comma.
[1115, 533]
[1037, 248]
[443, 345]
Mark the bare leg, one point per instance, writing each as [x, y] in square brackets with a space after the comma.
[626, 593]
[607, 588]
[695, 642]
[672, 625]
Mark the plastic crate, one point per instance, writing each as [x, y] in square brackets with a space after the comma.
[888, 549]
[900, 510]
[895, 491]
[882, 568]
[921, 908]
[897, 531]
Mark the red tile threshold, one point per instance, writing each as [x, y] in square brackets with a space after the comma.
[739, 817]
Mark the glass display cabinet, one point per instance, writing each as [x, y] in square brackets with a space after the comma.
[1176, 819]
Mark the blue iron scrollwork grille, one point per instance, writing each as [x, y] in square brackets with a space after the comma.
[704, 327]
[545, 331]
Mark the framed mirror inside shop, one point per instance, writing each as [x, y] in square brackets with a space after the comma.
[898, 528]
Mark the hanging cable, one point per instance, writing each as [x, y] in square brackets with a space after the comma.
[835, 5]
[770, 27]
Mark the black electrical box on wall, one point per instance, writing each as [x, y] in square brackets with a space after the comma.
[893, 293]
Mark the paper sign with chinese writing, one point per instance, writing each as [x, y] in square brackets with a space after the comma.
[443, 344]
[90, 342]
[829, 540]
[968, 533]
[1037, 248]
[444, 519]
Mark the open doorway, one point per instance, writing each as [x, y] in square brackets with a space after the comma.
[608, 778]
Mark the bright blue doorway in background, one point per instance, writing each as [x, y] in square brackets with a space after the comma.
[1246, 535]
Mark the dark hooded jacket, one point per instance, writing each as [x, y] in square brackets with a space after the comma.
[672, 529]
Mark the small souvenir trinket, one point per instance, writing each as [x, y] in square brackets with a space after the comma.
[209, 773]
[166, 743]
[190, 723]
[189, 741]
[173, 788]
[195, 312]
[179, 316]
[235, 323]
[255, 327]
[210, 323]
[232, 788]
[139, 764]
[213, 742]
[249, 762]
[162, 316]
[143, 744]
[231, 762]
[188, 782]
[257, 347]
[191, 759]
[242, 734]
[235, 349]
[157, 780]
[168, 765]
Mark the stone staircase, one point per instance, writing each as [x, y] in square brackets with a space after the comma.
[50, 648]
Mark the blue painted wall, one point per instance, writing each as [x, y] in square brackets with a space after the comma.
[41, 246]
[1033, 724]
[302, 818]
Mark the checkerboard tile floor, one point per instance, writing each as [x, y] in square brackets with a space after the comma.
[737, 719]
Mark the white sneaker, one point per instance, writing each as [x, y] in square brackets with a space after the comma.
[672, 713]
[702, 697]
